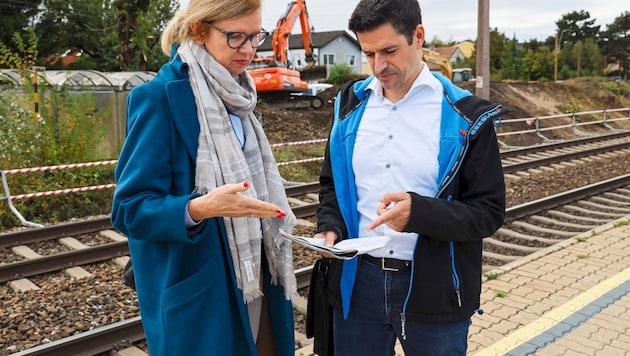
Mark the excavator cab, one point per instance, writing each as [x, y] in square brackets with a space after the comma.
[276, 82]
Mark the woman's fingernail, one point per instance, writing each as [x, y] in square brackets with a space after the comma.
[281, 215]
[245, 184]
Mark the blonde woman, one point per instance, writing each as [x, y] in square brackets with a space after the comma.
[200, 197]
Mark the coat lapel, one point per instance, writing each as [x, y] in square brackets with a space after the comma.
[184, 113]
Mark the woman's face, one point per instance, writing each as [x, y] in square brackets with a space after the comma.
[210, 35]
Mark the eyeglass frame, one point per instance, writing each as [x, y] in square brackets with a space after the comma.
[228, 35]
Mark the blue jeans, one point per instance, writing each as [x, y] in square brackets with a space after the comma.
[374, 324]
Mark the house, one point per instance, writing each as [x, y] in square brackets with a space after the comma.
[330, 47]
[453, 53]
[467, 47]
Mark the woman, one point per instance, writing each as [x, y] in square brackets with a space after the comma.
[200, 197]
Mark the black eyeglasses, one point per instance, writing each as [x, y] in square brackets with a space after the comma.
[236, 40]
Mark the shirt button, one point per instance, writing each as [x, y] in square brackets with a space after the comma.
[387, 166]
[391, 252]
[391, 137]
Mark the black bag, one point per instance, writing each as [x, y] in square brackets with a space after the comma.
[128, 278]
[319, 320]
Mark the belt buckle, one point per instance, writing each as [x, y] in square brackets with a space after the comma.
[387, 268]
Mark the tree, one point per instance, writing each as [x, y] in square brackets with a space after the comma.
[85, 27]
[497, 47]
[109, 35]
[538, 65]
[24, 58]
[615, 42]
[15, 17]
[139, 26]
[579, 26]
[512, 60]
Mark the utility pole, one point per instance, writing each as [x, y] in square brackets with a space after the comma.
[482, 86]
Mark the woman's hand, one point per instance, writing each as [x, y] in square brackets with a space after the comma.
[226, 200]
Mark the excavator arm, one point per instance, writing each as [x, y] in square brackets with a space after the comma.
[295, 10]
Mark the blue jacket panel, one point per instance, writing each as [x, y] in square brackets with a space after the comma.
[470, 203]
[187, 293]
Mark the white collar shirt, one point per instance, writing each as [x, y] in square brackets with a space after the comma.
[396, 149]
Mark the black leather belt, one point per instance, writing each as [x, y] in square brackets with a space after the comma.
[388, 264]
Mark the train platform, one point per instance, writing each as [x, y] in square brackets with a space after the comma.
[572, 298]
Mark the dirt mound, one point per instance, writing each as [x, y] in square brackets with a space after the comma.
[523, 99]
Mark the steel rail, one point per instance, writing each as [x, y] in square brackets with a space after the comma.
[59, 261]
[511, 168]
[560, 145]
[530, 208]
[92, 342]
[54, 232]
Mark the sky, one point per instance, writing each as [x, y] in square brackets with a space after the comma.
[456, 20]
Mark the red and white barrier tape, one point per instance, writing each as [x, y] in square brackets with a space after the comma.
[59, 167]
[300, 161]
[287, 144]
[62, 191]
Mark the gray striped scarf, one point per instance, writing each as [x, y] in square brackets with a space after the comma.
[221, 160]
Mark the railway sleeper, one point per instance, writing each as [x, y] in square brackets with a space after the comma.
[534, 239]
[610, 201]
[615, 209]
[525, 250]
[592, 212]
[544, 230]
[546, 220]
[563, 215]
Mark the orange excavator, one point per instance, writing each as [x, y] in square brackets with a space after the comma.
[277, 83]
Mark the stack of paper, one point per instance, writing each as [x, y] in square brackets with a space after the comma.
[345, 249]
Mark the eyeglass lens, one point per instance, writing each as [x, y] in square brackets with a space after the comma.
[237, 39]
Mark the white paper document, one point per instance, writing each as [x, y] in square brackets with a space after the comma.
[345, 249]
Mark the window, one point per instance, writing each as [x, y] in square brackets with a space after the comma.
[349, 59]
[329, 59]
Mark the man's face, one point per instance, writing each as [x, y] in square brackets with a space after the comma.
[394, 61]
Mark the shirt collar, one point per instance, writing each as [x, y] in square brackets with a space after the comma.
[425, 78]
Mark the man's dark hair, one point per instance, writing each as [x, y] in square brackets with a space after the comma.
[403, 15]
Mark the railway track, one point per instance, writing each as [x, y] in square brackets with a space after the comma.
[529, 227]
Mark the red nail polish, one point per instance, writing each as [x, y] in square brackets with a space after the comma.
[281, 215]
[245, 184]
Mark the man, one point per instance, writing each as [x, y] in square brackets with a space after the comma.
[416, 158]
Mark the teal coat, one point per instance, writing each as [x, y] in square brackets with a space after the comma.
[187, 293]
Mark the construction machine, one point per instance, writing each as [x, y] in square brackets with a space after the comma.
[462, 75]
[437, 62]
[276, 82]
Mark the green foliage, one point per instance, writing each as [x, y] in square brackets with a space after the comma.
[500, 294]
[68, 133]
[492, 275]
[512, 61]
[611, 86]
[570, 108]
[26, 55]
[339, 73]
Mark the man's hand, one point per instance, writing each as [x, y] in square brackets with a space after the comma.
[393, 210]
[329, 240]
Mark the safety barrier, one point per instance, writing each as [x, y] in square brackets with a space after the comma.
[536, 122]
[540, 126]
[10, 198]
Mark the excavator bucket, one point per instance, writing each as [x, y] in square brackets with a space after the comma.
[314, 73]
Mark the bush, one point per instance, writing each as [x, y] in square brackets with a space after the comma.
[68, 132]
[339, 73]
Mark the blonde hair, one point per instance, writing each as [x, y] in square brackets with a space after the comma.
[178, 28]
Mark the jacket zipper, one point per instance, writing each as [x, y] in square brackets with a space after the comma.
[456, 283]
